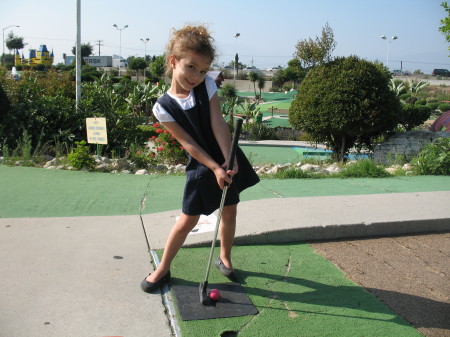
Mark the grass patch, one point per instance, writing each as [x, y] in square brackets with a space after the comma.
[365, 168]
[296, 291]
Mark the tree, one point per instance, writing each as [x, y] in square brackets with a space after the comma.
[86, 50]
[228, 91]
[14, 42]
[253, 76]
[294, 72]
[445, 23]
[137, 63]
[261, 84]
[157, 67]
[315, 52]
[345, 103]
[278, 78]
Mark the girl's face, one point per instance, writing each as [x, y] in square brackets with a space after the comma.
[188, 72]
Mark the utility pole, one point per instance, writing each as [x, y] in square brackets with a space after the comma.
[78, 57]
[99, 44]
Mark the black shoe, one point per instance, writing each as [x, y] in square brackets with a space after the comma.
[224, 270]
[150, 287]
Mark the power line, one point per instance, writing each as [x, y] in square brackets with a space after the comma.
[99, 44]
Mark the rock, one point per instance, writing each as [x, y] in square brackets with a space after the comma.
[261, 171]
[407, 167]
[141, 172]
[273, 170]
[161, 167]
[122, 164]
[102, 167]
[332, 169]
[405, 145]
[180, 168]
[391, 170]
[310, 167]
[126, 172]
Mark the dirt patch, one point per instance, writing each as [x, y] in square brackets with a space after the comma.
[410, 274]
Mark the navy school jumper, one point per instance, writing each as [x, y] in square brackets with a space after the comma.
[202, 194]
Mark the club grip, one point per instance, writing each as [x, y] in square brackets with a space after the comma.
[234, 143]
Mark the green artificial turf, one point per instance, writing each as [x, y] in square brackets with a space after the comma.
[296, 291]
[37, 192]
[259, 155]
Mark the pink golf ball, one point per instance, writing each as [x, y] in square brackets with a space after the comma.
[214, 294]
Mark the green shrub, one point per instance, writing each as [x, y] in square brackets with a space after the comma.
[421, 102]
[140, 157]
[365, 168]
[80, 157]
[434, 159]
[444, 107]
[433, 105]
[404, 97]
[295, 173]
[345, 103]
[413, 115]
[260, 131]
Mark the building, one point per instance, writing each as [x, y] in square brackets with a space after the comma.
[40, 56]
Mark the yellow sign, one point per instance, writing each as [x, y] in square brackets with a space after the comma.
[96, 131]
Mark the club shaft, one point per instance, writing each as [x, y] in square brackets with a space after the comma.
[216, 230]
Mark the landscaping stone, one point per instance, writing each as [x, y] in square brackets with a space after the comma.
[310, 167]
[141, 172]
[405, 145]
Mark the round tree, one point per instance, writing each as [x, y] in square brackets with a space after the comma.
[345, 103]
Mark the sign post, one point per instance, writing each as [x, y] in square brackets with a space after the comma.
[96, 132]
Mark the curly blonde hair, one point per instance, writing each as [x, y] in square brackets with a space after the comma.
[189, 39]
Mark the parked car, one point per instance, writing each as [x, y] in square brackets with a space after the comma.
[274, 68]
[400, 73]
[440, 72]
[251, 68]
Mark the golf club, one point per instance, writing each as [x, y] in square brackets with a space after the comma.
[204, 299]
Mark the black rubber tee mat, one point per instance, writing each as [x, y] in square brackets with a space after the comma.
[234, 302]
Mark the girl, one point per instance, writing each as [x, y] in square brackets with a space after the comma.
[190, 111]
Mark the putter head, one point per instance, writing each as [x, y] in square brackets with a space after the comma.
[204, 298]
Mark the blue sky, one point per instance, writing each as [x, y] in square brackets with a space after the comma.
[269, 29]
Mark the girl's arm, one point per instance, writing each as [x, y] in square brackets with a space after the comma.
[221, 132]
[196, 151]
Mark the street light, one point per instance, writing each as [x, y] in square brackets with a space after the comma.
[389, 41]
[235, 58]
[120, 43]
[145, 46]
[3, 57]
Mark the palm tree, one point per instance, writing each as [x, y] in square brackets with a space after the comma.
[253, 76]
[86, 50]
[261, 84]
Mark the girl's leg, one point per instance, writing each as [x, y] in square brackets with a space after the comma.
[227, 231]
[175, 240]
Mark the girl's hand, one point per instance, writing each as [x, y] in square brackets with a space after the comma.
[222, 177]
[235, 170]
